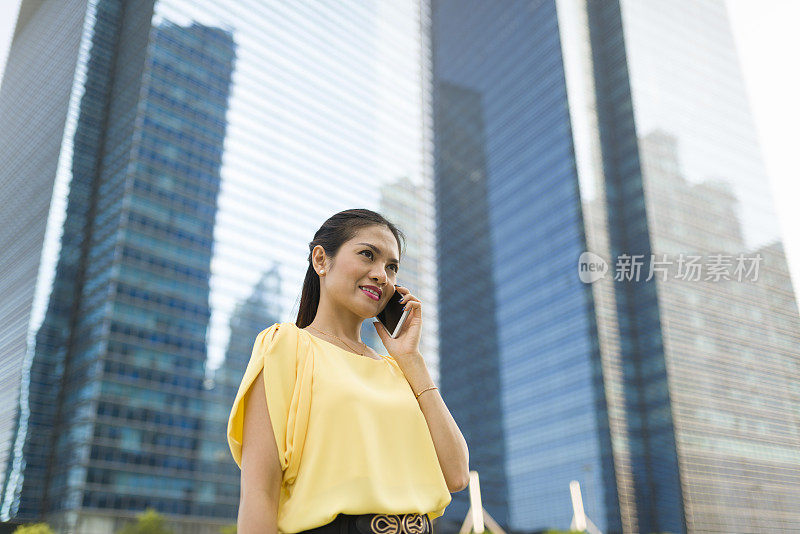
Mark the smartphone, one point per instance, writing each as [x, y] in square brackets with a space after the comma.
[393, 316]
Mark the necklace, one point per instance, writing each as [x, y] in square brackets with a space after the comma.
[340, 339]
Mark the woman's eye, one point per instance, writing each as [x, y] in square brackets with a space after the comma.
[393, 265]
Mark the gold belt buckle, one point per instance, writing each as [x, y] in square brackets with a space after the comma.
[394, 524]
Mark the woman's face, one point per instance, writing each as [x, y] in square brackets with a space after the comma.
[364, 265]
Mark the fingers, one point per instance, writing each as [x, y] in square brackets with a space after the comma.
[407, 296]
[410, 298]
[380, 329]
[415, 306]
[409, 301]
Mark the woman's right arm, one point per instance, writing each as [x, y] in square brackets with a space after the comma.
[261, 468]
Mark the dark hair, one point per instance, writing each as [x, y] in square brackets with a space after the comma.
[331, 235]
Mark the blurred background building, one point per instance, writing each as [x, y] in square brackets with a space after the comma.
[169, 161]
[617, 128]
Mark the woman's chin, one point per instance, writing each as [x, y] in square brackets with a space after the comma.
[372, 312]
[365, 311]
[369, 306]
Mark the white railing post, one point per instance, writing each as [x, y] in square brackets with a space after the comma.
[476, 515]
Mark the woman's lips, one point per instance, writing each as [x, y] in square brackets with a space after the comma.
[371, 295]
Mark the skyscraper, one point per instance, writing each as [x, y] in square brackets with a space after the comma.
[220, 492]
[619, 128]
[467, 288]
[118, 365]
[166, 154]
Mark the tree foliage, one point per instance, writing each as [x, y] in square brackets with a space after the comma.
[149, 522]
[35, 528]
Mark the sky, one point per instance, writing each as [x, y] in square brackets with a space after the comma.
[768, 46]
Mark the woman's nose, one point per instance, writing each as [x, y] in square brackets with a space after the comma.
[380, 276]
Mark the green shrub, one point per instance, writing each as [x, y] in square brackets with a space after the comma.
[149, 522]
[35, 528]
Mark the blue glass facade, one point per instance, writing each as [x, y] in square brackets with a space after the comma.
[467, 289]
[516, 323]
[127, 325]
[730, 347]
[65, 363]
[650, 434]
[156, 356]
[619, 128]
[35, 142]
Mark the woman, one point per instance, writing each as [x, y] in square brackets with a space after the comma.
[380, 451]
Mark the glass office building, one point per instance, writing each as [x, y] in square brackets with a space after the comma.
[172, 160]
[32, 144]
[622, 129]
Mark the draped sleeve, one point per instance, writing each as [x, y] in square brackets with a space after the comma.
[288, 369]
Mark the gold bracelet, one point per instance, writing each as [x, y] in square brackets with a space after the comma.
[424, 390]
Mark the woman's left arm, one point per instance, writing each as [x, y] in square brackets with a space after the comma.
[451, 447]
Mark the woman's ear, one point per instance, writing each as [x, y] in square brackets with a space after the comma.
[318, 258]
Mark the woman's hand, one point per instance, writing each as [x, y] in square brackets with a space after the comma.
[406, 344]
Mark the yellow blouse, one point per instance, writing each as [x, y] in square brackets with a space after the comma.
[351, 436]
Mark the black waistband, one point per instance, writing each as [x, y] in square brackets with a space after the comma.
[376, 524]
